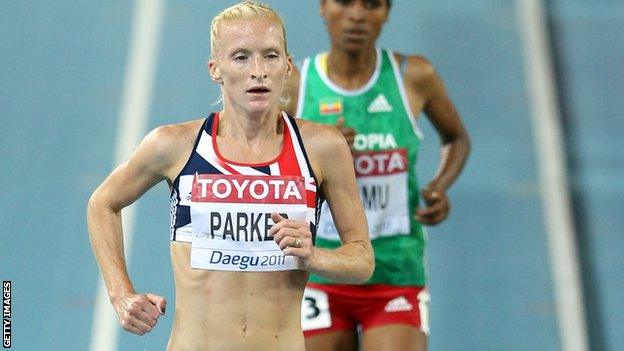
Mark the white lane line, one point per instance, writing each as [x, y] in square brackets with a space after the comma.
[547, 131]
[135, 106]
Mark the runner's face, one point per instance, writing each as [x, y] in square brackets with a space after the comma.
[354, 24]
[251, 63]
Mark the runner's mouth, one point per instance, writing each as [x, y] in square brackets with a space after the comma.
[356, 33]
[259, 90]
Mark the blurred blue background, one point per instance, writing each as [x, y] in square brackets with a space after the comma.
[63, 65]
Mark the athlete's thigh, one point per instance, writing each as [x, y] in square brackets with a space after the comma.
[394, 337]
[340, 340]
[326, 319]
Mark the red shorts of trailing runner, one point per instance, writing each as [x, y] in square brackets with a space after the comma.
[328, 308]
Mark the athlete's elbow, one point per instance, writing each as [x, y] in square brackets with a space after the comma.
[98, 206]
[464, 142]
[367, 260]
[370, 266]
[95, 202]
[92, 203]
[460, 141]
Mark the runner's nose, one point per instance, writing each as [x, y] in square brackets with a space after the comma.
[258, 72]
[357, 13]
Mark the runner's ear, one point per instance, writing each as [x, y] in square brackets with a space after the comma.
[322, 9]
[215, 73]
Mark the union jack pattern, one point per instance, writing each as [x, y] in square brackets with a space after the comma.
[206, 159]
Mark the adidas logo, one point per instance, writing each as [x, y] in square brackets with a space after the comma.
[380, 104]
[398, 304]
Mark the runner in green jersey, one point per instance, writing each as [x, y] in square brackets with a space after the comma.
[374, 97]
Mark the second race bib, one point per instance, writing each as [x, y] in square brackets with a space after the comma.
[382, 180]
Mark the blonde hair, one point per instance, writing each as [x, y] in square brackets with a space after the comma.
[244, 10]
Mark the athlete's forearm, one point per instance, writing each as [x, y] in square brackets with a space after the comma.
[353, 263]
[453, 155]
[105, 232]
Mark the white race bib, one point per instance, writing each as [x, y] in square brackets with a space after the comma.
[382, 180]
[231, 216]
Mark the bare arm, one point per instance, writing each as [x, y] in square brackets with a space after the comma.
[146, 167]
[423, 82]
[355, 257]
[353, 262]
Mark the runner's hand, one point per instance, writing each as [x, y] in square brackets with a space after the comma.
[294, 238]
[138, 313]
[437, 206]
[348, 132]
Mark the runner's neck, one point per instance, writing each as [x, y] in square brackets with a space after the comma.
[349, 71]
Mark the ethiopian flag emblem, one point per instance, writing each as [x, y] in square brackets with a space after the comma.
[330, 106]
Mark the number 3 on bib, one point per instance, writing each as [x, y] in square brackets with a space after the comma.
[315, 310]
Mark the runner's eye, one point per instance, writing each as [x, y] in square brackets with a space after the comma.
[372, 4]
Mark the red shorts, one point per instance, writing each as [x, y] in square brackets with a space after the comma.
[328, 308]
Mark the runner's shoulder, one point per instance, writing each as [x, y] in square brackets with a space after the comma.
[320, 135]
[323, 142]
[171, 140]
[419, 71]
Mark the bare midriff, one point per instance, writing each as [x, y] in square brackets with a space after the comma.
[217, 310]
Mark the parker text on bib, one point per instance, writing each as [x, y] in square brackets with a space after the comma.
[231, 216]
